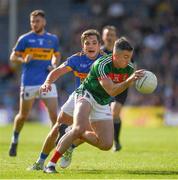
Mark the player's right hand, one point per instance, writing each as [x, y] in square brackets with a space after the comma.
[46, 87]
[28, 58]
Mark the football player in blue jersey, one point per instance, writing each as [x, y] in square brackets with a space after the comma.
[37, 51]
[80, 64]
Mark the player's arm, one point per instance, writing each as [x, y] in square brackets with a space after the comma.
[16, 57]
[114, 89]
[55, 61]
[53, 76]
[56, 73]
[56, 55]
[18, 52]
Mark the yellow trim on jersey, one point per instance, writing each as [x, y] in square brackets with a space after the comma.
[69, 68]
[80, 75]
[57, 53]
[39, 53]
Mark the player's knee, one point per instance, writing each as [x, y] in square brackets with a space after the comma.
[116, 111]
[117, 120]
[105, 146]
[21, 117]
[116, 114]
[78, 131]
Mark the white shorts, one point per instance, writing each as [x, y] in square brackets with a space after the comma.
[99, 112]
[31, 92]
[68, 106]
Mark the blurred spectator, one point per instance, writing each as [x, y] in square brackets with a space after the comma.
[5, 72]
[115, 9]
[4, 6]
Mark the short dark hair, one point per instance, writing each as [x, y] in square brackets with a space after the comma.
[90, 32]
[38, 12]
[123, 44]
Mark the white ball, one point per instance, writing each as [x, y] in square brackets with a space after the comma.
[147, 84]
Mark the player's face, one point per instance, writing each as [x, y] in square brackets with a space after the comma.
[122, 58]
[109, 37]
[91, 46]
[37, 24]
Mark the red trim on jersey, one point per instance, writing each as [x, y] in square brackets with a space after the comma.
[117, 78]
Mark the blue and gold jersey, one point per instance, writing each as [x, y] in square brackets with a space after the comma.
[42, 48]
[80, 64]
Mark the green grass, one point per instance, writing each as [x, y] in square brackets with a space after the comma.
[147, 153]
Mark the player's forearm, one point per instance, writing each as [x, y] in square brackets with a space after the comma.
[52, 76]
[56, 61]
[56, 73]
[118, 88]
[16, 59]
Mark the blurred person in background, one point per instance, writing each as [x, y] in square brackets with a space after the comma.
[109, 35]
[38, 53]
[79, 64]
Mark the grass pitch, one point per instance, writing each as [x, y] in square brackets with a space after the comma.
[147, 153]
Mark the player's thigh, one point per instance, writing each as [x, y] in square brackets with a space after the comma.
[64, 118]
[25, 106]
[81, 113]
[104, 130]
[51, 104]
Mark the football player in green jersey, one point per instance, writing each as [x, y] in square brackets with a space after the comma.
[109, 76]
[109, 36]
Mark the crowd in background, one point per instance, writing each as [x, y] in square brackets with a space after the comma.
[151, 25]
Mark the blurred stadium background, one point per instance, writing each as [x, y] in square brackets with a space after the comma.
[151, 25]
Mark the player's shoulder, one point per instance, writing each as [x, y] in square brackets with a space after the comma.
[51, 35]
[76, 55]
[104, 60]
[131, 65]
[25, 36]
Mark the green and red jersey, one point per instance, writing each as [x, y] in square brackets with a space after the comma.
[104, 68]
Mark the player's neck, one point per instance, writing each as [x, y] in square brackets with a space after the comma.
[93, 58]
[115, 64]
[39, 32]
[109, 47]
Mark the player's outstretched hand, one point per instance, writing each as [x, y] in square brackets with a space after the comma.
[46, 87]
